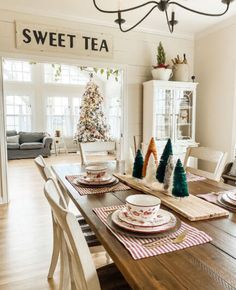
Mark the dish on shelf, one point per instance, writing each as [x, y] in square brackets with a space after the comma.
[141, 229]
[162, 217]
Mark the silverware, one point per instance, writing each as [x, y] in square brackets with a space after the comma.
[175, 240]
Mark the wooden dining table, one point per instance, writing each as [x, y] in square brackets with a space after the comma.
[204, 267]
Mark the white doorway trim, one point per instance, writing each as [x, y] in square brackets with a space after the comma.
[90, 63]
[3, 150]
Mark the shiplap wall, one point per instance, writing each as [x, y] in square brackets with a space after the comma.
[135, 52]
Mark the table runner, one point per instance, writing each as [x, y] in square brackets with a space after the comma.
[83, 190]
[135, 245]
[192, 177]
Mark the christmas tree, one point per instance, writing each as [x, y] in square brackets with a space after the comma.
[180, 185]
[168, 172]
[92, 125]
[138, 165]
[163, 162]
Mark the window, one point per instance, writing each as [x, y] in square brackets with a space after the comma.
[19, 71]
[18, 113]
[114, 117]
[63, 114]
[76, 102]
[64, 74]
[58, 115]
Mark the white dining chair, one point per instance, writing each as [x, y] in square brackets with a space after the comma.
[96, 147]
[91, 239]
[215, 158]
[82, 272]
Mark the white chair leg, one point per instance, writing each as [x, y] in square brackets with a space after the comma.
[65, 283]
[55, 251]
[109, 260]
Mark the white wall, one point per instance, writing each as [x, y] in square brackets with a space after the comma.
[215, 55]
[134, 51]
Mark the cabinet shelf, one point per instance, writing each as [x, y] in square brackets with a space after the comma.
[169, 112]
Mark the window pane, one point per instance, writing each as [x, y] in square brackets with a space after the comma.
[18, 113]
[64, 74]
[58, 115]
[15, 70]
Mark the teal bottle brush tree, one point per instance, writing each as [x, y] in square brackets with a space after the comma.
[138, 165]
[180, 185]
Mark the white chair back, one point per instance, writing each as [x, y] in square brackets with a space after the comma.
[215, 157]
[41, 164]
[83, 274]
[96, 147]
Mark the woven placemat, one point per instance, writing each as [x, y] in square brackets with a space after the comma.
[84, 190]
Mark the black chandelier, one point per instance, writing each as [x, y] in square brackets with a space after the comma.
[162, 5]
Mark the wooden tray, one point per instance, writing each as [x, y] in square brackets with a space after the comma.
[191, 207]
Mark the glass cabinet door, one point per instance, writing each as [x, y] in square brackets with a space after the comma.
[183, 115]
[163, 114]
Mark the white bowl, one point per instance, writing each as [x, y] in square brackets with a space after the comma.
[142, 207]
[96, 172]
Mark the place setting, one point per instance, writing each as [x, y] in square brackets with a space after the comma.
[96, 179]
[146, 230]
[228, 199]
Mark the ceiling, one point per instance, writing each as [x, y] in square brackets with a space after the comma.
[189, 23]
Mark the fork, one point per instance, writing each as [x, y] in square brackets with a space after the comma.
[177, 240]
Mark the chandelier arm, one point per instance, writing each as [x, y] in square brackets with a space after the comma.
[199, 12]
[141, 20]
[127, 9]
[171, 29]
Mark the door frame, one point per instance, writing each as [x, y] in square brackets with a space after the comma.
[4, 197]
[69, 61]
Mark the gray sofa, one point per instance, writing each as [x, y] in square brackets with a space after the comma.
[28, 144]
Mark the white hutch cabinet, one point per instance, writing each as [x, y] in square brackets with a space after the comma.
[169, 110]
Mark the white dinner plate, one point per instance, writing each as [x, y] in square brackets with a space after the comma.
[161, 218]
[226, 198]
[157, 229]
[232, 195]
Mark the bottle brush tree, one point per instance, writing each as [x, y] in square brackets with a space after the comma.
[180, 185]
[168, 172]
[160, 174]
[138, 165]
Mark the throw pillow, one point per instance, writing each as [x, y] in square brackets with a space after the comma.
[29, 137]
[13, 139]
[233, 169]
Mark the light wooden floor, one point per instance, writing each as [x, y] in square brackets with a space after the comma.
[25, 229]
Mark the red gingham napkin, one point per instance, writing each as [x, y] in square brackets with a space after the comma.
[192, 177]
[135, 245]
[83, 190]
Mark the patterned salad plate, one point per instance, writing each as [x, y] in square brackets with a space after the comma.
[108, 179]
[161, 218]
[141, 229]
